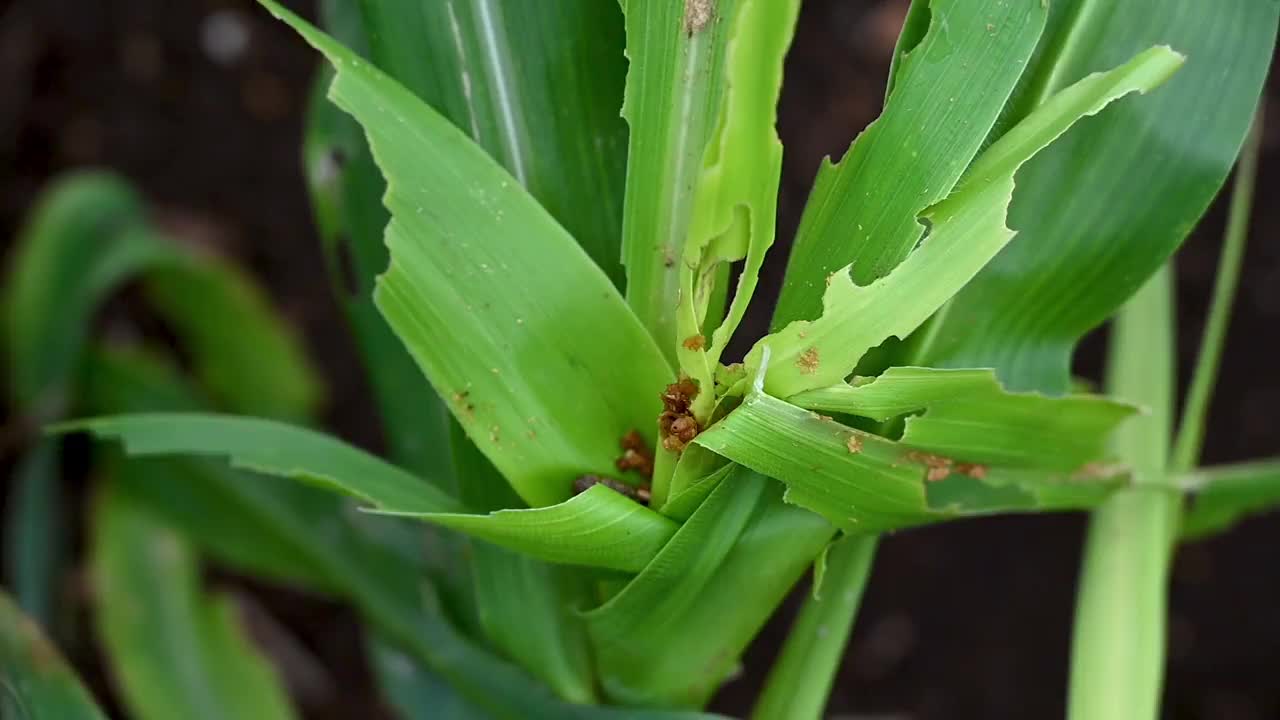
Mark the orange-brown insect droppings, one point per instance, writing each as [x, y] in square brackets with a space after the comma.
[854, 443]
[636, 455]
[676, 425]
[939, 467]
[808, 361]
[695, 342]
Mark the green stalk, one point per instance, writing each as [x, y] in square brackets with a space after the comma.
[800, 681]
[1118, 641]
[1118, 645]
[1186, 450]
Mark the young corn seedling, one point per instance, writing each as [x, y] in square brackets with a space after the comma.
[637, 505]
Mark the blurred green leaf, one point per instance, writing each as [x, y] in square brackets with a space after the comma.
[37, 684]
[35, 532]
[967, 229]
[478, 311]
[257, 525]
[1225, 494]
[1106, 205]
[175, 650]
[968, 413]
[415, 692]
[864, 483]
[674, 90]
[87, 235]
[736, 196]
[536, 84]
[242, 351]
[863, 213]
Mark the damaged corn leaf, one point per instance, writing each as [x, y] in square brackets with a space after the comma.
[1103, 207]
[967, 229]
[597, 528]
[36, 681]
[596, 519]
[484, 284]
[346, 192]
[1224, 495]
[536, 84]
[674, 88]
[863, 483]
[153, 618]
[967, 412]
[949, 89]
[735, 203]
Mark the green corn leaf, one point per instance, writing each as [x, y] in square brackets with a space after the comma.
[736, 199]
[1224, 495]
[523, 606]
[88, 235]
[37, 683]
[418, 696]
[415, 692]
[271, 448]
[631, 632]
[537, 85]
[1186, 446]
[967, 230]
[1100, 210]
[35, 533]
[598, 528]
[477, 310]
[968, 413]
[265, 370]
[863, 483]
[252, 524]
[333, 555]
[303, 536]
[346, 192]
[675, 632]
[176, 650]
[862, 213]
[673, 96]
[801, 679]
[496, 688]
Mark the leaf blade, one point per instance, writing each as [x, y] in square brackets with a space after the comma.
[968, 229]
[475, 313]
[176, 650]
[38, 683]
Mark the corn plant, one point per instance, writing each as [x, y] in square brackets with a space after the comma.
[545, 294]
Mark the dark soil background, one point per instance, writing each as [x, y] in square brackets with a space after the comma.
[970, 620]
